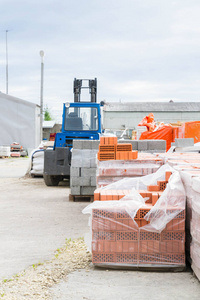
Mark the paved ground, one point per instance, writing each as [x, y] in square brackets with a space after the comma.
[34, 222]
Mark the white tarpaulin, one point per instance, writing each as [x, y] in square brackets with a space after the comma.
[19, 122]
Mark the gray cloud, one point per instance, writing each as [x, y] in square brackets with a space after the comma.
[138, 50]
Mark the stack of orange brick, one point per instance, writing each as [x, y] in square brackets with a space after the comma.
[118, 240]
[151, 195]
[188, 165]
[110, 171]
[109, 149]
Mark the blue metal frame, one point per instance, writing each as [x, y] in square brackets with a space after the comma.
[61, 138]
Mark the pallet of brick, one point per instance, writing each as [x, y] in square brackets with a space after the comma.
[195, 227]
[113, 170]
[138, 182]
[135, 234]
[151, 194]
[187, 173]
[83, 168]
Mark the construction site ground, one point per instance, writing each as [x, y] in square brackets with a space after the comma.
[39, 261]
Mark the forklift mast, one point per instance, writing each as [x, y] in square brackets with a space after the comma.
[92, 86]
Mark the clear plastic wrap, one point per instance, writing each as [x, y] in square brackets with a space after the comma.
[140, 183]
[130, 233]
[110, 171]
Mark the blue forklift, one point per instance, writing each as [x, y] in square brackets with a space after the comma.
[80, 120]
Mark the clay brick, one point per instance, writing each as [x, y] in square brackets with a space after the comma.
[119, 246]
[167, 175]
[106, 148]
[153, 188]
[113, 224]
[133, 247]
[162, 185]
[103, 196]
[124, 147]
[97, 195]
[134, 154]
[154, 198]
[149, 195]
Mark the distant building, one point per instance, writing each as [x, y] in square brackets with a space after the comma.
[118, 116]
[50, 127]
[19, 122]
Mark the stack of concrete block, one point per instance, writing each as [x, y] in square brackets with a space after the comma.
[149, 146]
[83, 167]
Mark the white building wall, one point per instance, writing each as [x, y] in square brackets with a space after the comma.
[119, 120]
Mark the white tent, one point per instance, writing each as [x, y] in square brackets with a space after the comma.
[19, 122]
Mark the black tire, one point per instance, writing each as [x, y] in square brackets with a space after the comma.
[51, 180]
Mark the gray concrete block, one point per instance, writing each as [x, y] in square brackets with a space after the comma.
[74, 171]
[85, 162]
[87, 144]
[77, 144]
[80, 181]
[74, 181]
[95, 145]
[87, 190]
[93, 162]
[75, 190]
[156, 145]
[76, 163]
[188, 142]
[93, 181]
[133, 142]
[87, 172]
[85, 181]
[142, 145]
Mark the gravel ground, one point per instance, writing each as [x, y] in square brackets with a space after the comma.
[35, 282]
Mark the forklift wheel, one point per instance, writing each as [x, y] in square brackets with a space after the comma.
[51, 180]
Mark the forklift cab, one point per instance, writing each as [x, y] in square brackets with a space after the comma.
[80, 118]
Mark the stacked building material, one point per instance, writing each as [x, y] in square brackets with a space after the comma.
[109, 149]
[151, 195]
[118, 240]
[4, 151]
[114, 170]
[147, 231]
[83, 167]
[188, 165]
[17, 150]
[195, 227]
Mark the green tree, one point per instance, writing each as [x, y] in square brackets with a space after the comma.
[47, 114]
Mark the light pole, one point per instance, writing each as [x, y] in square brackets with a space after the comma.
[41, 95]
[7, 61]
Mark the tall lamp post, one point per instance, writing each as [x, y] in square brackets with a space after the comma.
[7, 61]
[41, 95]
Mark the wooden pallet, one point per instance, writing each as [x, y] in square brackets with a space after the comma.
[4, 156]
[81, 198]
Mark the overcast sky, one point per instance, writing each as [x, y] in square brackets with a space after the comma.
[139, 50]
